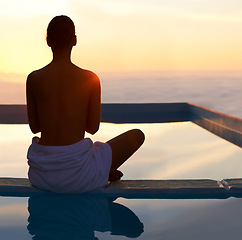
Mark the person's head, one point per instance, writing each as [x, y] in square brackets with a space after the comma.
[61, 33]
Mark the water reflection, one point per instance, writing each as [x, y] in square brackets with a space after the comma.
[171, 151]
[77, 217]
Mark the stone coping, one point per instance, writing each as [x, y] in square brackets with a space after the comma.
[135, 189]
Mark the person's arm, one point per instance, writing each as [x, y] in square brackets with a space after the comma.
[94, 106]
[32, 108]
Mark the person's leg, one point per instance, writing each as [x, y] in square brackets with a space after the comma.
[123, 146]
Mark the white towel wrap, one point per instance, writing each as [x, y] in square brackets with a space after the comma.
[75, 168]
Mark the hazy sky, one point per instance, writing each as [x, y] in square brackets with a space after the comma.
[120, 35]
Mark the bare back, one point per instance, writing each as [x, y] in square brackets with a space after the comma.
[63, 103]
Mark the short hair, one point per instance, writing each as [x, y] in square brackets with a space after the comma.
[61, 31]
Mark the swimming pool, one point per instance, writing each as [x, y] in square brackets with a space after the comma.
[80, 218]
[171, 151]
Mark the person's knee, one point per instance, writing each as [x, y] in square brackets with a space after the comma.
[140, 136]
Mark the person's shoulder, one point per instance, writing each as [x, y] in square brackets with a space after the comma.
[34, 78]
[89, 75]
[38, 72]
[33, 75]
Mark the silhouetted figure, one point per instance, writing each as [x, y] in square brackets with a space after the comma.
[63, 103]
[78, 216]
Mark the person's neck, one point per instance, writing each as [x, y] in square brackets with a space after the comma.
[62, 56]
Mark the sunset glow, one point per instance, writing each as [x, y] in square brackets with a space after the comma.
[126, 35]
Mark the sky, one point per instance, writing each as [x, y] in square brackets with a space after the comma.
[125, 35]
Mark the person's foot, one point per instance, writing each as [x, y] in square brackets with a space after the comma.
[115, 176]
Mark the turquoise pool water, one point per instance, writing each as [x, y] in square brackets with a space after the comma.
[171, 151]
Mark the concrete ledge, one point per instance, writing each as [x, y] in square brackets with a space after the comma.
[113, 112]
[156, 189]
[13, 114]
[161, 189]
[144, 112]
[222, 125]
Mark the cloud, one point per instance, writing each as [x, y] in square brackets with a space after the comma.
[12, 91]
